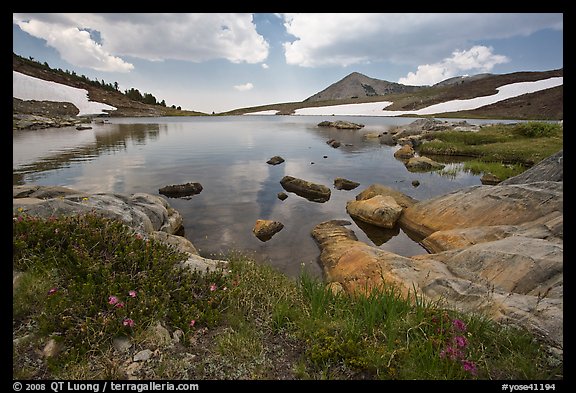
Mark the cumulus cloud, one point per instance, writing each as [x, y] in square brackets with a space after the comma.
[477, 59]
[155, 37]
[75, 46]
[353, 38]
[265, 66]
[244, 87]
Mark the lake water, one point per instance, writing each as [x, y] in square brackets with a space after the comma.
[228, 155]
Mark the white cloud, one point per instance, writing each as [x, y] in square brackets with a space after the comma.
[188, 37]
[265, 66]
[75, 46]
[352, 38]
[244, 87]
[477, 59]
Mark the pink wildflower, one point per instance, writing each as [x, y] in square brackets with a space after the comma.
[459, 325]
[132, 293]
[52, 291]
[460, 341]
[119, 305]
[112, 300]
[192, 323]
[469, 367]
[128, 322]
[451, 352]
[213, 287]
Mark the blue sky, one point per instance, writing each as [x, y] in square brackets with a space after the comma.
[217, 62]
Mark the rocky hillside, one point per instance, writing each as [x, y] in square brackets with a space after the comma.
[356, 88]
[357, 85]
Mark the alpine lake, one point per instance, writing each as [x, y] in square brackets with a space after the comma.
[227, 155]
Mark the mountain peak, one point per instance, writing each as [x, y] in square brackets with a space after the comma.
[357, 85]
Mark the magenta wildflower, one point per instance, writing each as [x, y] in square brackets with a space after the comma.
[52, 291]
[459, 325]
[119, 305]
[128, 322]
[469, 367]
[112, 300]
[192, 323]
[213, 287]
[132, 293]
[460, 341]
[451, 353]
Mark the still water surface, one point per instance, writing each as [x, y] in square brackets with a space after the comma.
[228, 155]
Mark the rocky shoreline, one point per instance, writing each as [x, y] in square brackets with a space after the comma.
[495, 250]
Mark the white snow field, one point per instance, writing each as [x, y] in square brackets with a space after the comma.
[26, 87]
[377, 108]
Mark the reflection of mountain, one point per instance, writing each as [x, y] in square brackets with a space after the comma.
[376, 234]
[114, 138]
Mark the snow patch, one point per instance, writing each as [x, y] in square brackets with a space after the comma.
[377, 108]
[26, 87]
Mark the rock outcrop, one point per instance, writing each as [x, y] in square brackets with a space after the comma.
[482, 206]
[380, 189]
[150, 215]
[495, 250]
[412, 133]
[423, 164]
[405, 152]
[341, 124]
[382, 211]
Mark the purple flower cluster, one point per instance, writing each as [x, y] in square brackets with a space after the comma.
[455, 344]
[114, 301]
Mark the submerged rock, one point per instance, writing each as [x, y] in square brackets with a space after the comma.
[334, 143]
[344, 184]
[311, 191]
[181, 190]
[265, 229]
[275, 160]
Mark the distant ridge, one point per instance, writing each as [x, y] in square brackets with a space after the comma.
[357, 85]
[461, 79]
